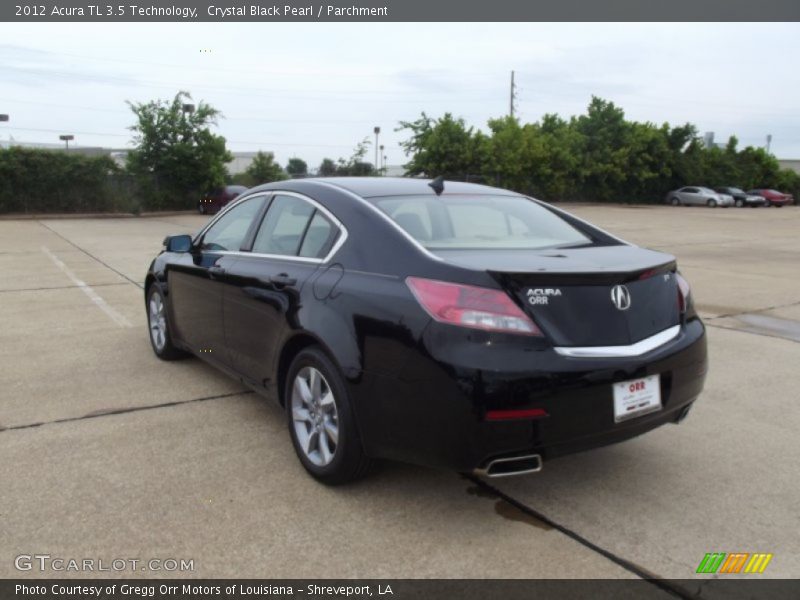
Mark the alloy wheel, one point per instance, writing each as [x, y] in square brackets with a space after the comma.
[158, 322]
[315, 416]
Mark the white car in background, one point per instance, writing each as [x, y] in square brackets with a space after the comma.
[699, 196]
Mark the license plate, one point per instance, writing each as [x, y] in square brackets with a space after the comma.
[636, 397]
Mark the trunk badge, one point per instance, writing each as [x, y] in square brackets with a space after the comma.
[621, 297]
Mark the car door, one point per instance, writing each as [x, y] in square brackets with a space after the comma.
[197, 284]
[293, 238]
[692, 195]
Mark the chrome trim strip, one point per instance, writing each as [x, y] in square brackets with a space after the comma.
[637, 349]
[343, 234]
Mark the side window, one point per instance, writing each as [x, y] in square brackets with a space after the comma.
[229, 232]
[319, 237]
[282, 229]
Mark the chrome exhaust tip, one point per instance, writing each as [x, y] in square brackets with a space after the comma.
[512, 465]
[684, 412]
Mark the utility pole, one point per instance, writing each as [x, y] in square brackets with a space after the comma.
[512, 96]
[769, 141]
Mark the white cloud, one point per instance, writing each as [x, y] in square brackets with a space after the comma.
[315, 90]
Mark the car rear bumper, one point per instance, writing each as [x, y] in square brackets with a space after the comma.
[434, 413]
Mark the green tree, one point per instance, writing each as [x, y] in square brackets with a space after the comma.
[356, 166]
[297, 167]
[327, 168]
[264, 169]
[177, 157]
[443, 146]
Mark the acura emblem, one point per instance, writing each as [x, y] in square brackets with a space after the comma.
[621, 297]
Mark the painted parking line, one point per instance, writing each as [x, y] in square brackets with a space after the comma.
[118, 318]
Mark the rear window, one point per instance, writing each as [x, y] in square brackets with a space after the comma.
[480, 222]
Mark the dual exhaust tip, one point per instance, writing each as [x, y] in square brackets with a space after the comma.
[512, 465]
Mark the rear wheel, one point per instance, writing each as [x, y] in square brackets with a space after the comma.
[160, 338]
[321, 420]
[711, 203]
[675, 201]
[739, 203]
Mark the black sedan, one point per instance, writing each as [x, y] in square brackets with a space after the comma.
[742, 198]
[446, 324]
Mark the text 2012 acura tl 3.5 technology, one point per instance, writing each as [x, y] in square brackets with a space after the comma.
[445, 324]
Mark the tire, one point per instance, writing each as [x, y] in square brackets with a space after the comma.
[158, 328]
[711, 203]
[317, 405]
[779, 205]
[739, 203]
[675, 201]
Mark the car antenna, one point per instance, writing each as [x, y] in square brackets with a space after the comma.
[437, 185]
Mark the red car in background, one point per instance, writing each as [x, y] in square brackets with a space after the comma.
[773, 197]
[213, 202]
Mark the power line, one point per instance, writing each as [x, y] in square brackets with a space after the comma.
[262, 142]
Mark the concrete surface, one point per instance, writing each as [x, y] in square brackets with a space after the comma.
[109, 453]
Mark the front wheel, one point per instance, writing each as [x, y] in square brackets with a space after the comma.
[321, 420]
[739, 203]
[711, 203]
[160, 338]
[675, 202]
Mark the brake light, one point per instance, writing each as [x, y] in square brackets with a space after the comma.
[683, 293]
[471, 306]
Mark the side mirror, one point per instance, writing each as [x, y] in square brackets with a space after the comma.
[178, 243]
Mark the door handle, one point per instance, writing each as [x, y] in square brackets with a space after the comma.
[215, 272]
[282, 279]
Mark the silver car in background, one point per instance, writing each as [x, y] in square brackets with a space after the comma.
[699, 196]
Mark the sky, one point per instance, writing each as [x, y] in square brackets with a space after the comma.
[314, 90]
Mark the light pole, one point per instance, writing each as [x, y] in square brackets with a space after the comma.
[383, 160]
[377, 131]
[66, 139]
[4, 119]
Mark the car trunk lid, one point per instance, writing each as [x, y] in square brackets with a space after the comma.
[593, 296]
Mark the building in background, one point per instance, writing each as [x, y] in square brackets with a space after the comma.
[793, 164]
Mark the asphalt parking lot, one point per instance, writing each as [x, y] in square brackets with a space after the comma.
[108, 452]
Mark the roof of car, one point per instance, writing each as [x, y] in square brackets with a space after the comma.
[371, 187]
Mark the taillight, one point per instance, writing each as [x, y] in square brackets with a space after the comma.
[471, 306]
[683, 293]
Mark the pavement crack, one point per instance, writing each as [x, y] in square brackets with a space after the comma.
[92, 256]
[754, 311]
[751, 332]
[62, 287]
[121, 411]
[545, 521]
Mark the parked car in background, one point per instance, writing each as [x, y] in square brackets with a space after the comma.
[773, 197]
[742, 198]
[213, 202]
[700, 196]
